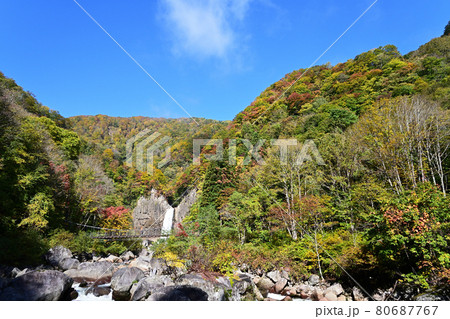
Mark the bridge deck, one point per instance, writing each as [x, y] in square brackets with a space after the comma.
[128, 234]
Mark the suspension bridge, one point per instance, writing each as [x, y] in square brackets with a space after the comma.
[119, 234]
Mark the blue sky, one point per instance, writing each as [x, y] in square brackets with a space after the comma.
[213, 57]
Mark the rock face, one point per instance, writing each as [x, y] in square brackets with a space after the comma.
[47, 285]
[150, 212]
[100, 271]
[184, 207]
[122, 280]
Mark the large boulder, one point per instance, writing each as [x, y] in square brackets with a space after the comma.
[122, 280]
[179, 293]
[336, 289]
[56, 255]
[99, 272]
[313, 280]
[244, 288]
[47, 285]
[264, 285]
[146, 286]
[69, 263]
[214, 290]
[277, 275]
[280, 285]
[142, 262]
[158, 266]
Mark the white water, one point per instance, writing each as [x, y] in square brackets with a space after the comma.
[82, 296]
[167, 223]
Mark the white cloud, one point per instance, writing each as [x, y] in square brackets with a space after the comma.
[204, 28]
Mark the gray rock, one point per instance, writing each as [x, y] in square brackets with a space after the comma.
[22, 272]
[127, 256]
[429, 296]
[317, 294]
[142, 262]
[111, 259]
[331, 296]
[179, 293]
[144, 252]
[257, 293]
[243, 288]
[357, 294]
[14, 272]
[146, 286]
[69, 263]
[158, 266]
[99, 272]
[280, 285]
[225, 282]
[277, 275]
[214, 290]
[264, 285]
[56, 255]
[313, 280]
[335, 289]
[123, 279]
[381, 295]
[47, 285]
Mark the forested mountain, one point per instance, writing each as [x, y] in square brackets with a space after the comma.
[377, 207]
[372, 199]
[37, 152]
[57, 172]
[107, 137]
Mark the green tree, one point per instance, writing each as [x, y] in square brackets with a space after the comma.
[447, 29]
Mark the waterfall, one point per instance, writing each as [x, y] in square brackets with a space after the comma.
[167, 223]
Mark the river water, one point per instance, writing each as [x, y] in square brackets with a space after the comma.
[97, 293]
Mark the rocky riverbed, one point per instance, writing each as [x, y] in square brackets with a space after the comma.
[142, 277]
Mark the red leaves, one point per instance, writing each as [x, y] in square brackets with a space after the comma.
[180, 231]
[409, 219]
[114, 212]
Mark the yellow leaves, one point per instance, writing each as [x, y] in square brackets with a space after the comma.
[172, 260]
[38, 210]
